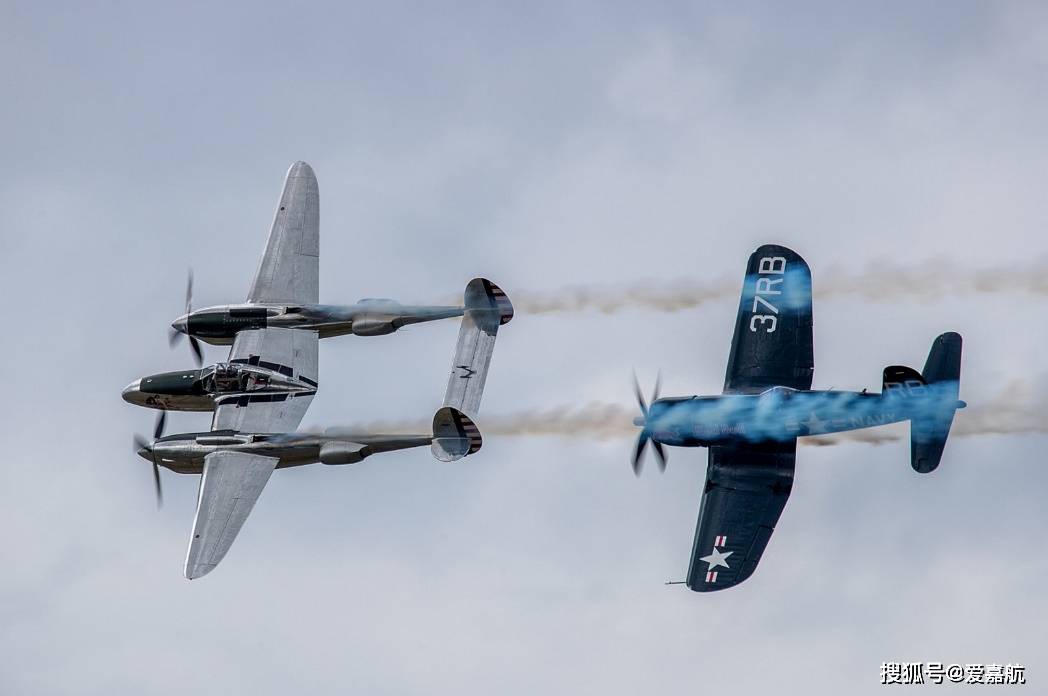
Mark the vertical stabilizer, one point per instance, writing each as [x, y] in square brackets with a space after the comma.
[454, 435]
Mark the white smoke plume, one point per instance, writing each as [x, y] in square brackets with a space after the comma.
[1015, 410]
[880, 280]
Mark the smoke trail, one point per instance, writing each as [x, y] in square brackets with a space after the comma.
[1013, 411]
[882, 280]
[594, 420]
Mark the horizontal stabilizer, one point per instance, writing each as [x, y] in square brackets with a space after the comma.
[486, 309]
[454, 435]
[929, 430]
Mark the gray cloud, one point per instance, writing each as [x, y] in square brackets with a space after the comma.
[545, 147]
[881, 281]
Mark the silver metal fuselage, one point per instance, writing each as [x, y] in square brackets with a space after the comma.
[185, 453]
[202, 390]
[219, 325]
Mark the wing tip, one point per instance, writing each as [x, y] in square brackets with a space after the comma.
[779, 249]
[706, 582]
[301, 168]
[707, 589]
[198, 570]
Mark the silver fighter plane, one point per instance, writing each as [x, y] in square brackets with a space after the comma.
[286, 290]
[261, 393]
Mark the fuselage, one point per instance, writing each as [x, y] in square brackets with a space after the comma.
[202, 390]
[220, 324]
[782, 414]
[184, 453]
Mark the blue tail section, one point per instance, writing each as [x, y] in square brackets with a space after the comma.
[928, 431]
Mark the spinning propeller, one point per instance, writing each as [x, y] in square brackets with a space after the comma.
[644, 437]
[175, 335]
[142, 444]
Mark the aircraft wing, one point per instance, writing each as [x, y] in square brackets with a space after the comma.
[746, 491]
[772, 344]
[229, 487]
[289, 272]
[293, 352]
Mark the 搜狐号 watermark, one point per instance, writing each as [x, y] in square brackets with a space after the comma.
[941, 673]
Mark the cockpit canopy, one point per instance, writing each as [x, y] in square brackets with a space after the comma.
[226, 378]
[782, 392]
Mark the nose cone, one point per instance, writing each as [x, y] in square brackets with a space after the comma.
[180, 325]
[145, 453]
[133, 392]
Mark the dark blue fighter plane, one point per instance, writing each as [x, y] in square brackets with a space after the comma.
[751, 429]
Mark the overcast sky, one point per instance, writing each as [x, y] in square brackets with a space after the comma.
[543, 146]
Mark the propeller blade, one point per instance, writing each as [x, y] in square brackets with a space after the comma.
[198, 354]
[174, 336]
[642, 439]
[156, 482]
[158, 430]
[640, 397]
[189, 292]
[638, 453]
[660, 455]
[142, 444]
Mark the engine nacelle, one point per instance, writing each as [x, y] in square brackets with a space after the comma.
[343, 452]
[374, 325]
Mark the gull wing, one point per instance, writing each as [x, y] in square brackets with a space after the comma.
[289, 272]
[229, 487]
[772, 344]
[293, 352]
[746, 491]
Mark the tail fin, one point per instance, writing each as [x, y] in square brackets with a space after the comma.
[930, 428]
[487, 308]
[944, 359]
[454, 435]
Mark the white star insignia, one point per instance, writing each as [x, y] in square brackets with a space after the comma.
[813, 424]
[717, 558]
